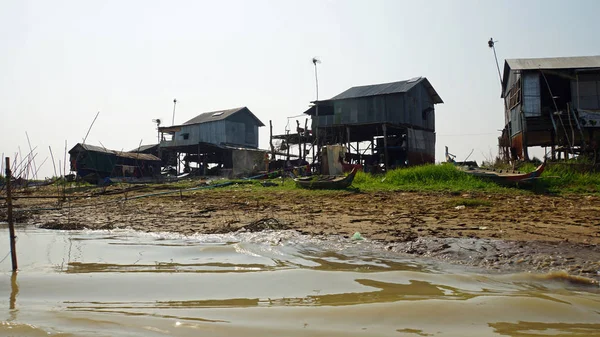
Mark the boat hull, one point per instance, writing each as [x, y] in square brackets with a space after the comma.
[326, 182]
[506, 177]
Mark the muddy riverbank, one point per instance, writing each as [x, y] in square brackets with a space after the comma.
[521, 232]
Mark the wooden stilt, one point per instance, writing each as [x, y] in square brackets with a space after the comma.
[385, 147]
[9, 215]
[271, 139]
[304, 139]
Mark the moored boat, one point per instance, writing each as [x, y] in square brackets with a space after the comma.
[326, 182]
[504, 176]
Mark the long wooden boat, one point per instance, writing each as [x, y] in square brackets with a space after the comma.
[326, 182]
[504, 176]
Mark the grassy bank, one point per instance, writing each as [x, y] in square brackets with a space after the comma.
[566, 178]
[443, 177]
[556, 179]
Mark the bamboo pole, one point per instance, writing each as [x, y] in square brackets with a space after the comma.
[55, 174]
[65, 168]
[35, 169]
[11, 225]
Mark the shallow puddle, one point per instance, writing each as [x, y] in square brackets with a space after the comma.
[127, 283]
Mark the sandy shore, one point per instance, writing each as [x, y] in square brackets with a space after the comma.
[504, 232]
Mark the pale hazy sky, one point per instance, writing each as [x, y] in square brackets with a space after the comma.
[62, 61]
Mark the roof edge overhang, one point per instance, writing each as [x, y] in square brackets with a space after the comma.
[260, 123]
[437, 99]
[179, 126]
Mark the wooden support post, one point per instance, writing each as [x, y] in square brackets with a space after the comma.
[524, 140]
[204, 164]
[385, 147]
[9, 215]
[313, 154]
[348, 138]
[372, 147]
[287, 143]
[553, 144]
[299, 140]
[305, 138]
[271, 139]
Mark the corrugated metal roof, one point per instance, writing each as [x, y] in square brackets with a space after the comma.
[574, 62]
[577, 62]
[137, 156]
[89, 147]
[144, 148]
[220, 115]
[387, 88]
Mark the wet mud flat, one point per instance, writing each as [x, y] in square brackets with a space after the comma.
[507, 233]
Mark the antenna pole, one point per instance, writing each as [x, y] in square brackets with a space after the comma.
[317, 105]
[492, 44]
[315, 61]
[316, 80]
[174, 105]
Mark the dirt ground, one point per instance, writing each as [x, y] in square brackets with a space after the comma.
[504, 232]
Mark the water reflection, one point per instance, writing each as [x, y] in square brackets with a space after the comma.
[414, 331]
[167, 267]
[14, 292]
[390, 292]
[522, 328]
[387, 292]
[14, 286]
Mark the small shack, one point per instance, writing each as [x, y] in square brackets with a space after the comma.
[551, 102]
[396, 120]
[211, 140]
[94, 163]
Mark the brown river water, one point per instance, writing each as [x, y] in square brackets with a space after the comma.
[128, 283]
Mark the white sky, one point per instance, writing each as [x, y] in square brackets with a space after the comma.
[62, 61]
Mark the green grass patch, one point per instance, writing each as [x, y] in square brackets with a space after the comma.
[569, 178]
[443, 177]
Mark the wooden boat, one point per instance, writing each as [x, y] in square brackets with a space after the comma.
[326, 182]
[506, 177]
